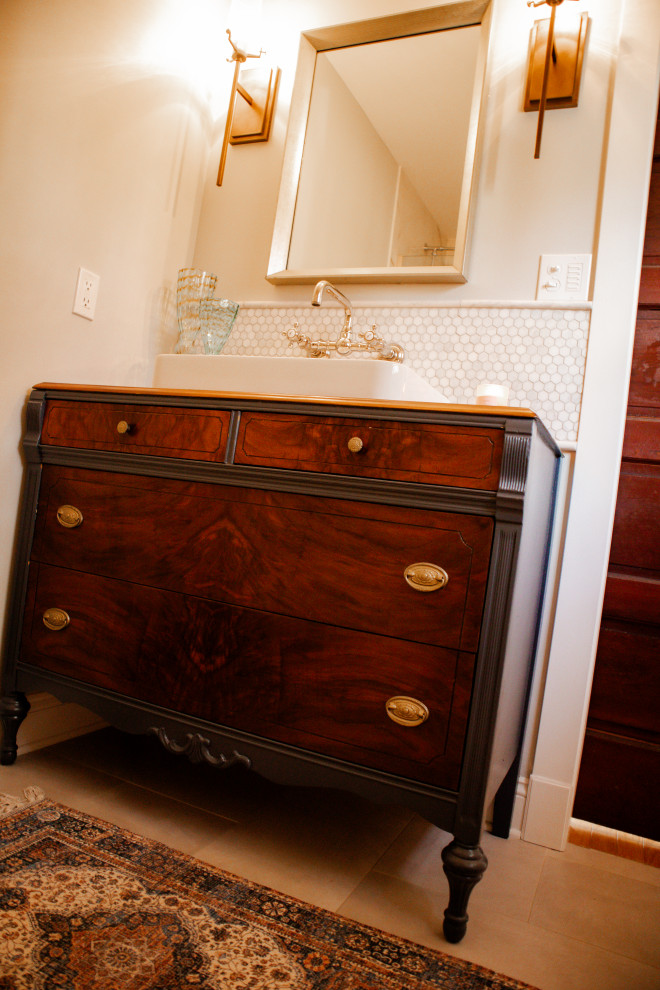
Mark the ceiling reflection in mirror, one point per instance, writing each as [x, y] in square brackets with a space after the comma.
[379, 164]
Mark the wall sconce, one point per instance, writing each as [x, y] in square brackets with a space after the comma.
[554, 67]
[251, 119]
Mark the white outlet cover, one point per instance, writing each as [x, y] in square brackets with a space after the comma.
[87, 290]
[564, 277]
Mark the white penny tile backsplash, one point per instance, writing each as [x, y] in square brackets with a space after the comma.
[538, 353]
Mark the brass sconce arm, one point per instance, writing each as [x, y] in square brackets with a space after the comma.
[260, 104]
[562, 67]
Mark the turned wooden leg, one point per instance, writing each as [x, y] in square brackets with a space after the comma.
[464, 867]
[13, 709]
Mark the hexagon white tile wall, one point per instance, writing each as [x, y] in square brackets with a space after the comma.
[539, 353]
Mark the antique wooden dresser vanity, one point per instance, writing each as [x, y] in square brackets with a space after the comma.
[333, 592]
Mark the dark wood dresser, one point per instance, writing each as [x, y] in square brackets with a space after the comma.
[334, 593]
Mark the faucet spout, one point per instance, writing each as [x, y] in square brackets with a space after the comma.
[344, 344]
[317, 296]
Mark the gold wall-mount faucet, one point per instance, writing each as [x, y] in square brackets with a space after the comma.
[345, 344]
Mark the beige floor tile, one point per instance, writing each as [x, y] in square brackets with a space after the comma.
[514, 867]
[605, 909]
[415, 855]
[175, 824]
[511, 879]
[543, 959]
[315, 845]
[141, 760]
[74, 786]
[111, 799]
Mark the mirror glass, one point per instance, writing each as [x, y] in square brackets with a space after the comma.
[379, 163]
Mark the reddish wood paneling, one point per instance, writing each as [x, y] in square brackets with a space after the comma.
[343, 561]
[296, 681]
[649, 286]
[166, 432]
[626, 687]
[632, 596]
[433, 454]
[641, 441]
[636, 534]
[618, 785]
[645, 373]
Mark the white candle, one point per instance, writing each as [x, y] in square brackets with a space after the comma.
[492, 394]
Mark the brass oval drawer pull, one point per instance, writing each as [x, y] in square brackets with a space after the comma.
[69, 516]
[56, 619]
[426, 577]
[355, 445]
[123, 427]
[406, 711]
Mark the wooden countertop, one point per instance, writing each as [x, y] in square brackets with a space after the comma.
[482, 410]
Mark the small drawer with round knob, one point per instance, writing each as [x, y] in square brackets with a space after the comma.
[417, 452]
[165, 431]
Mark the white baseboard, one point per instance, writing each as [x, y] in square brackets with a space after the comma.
[539, 812]
[50, 721]
[547, 813]
[519, 804]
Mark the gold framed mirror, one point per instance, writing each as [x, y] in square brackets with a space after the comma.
[380, 158]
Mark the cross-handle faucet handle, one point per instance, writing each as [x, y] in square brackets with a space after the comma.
[372, 337]
[294, 336]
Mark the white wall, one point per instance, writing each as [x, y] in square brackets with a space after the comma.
[103, 147]
[524, 207]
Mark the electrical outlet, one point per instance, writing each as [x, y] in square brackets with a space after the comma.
[564, 277]
[87, 291]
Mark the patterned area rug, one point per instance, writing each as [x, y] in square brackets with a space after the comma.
[85, 905]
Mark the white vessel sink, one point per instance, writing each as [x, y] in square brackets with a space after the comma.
[298, 376]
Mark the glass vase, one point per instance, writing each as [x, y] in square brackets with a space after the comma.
[193, 286]
[216, 318]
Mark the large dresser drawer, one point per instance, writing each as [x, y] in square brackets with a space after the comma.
[429, 453]
[295, 681]
[325, 559]
[165, 431]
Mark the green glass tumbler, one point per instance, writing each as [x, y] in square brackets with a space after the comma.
[216, 321]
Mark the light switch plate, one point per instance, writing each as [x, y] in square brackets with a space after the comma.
[564, 277]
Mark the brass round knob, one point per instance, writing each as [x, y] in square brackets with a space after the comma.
[56, 619]
[426, 577]
[123, 426]
[355, 445]
[69, 516]
[406, 711]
